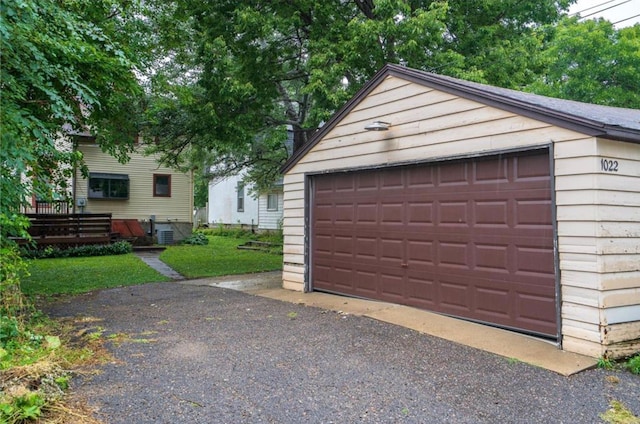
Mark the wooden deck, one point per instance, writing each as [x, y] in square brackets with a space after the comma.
[68, 230]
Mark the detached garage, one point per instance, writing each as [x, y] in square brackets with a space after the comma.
[501, 207]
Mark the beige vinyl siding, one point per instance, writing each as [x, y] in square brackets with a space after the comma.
[598, 215]
[618, 214]
[426, 124]
[141, 203]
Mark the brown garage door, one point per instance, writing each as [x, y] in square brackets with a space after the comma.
[470, 238]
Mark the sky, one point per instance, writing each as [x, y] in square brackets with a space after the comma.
[616, 10]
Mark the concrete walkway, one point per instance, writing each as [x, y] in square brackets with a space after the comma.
[152, 258]
[509, 344]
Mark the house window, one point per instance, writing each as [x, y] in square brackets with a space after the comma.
[161, 185]
[108, 186]
[272, 201]
[240, 197]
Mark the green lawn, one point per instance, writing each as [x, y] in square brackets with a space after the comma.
[80, 275]
[220, 257]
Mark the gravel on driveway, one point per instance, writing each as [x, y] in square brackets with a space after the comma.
[199, 354]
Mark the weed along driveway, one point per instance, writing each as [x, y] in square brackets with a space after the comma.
[186, 353]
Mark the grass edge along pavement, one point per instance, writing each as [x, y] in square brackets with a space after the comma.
[45, 354]
[52, 276]
[219, 257]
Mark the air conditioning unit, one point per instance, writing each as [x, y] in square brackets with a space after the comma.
[165, 236]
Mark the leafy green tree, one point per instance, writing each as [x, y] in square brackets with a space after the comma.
[258, 67]
[593, 62]
[65, 70]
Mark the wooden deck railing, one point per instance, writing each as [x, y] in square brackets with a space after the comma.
[54, 207]
[70, 229]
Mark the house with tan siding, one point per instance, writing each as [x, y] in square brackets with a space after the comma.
[142, 190]
[492, 205]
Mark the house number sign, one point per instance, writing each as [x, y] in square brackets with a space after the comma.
[608, 165]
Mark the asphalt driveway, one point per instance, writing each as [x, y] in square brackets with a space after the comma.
[201, 354]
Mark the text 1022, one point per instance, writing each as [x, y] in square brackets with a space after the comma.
[608, 165]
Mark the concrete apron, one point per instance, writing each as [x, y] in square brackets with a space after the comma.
[506, 343]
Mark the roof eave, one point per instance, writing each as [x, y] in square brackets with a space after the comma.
[538, 112]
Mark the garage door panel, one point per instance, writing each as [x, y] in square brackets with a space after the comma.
[367, 213]
[392, 213]
[392, 286]
[366, 248]
[532, 167]
[421, 291]
[366, 182]
[390, 180]
[492, 257]
[494, 213]
[454, 297]
[493, 303]
[391, 250]
[453, 255]
[453, 213]
[420, 252]
[420, 179]
[535, 309]
[324, 214]
[322, 276]
[365, 283]
[343, 246]
[532, 212]
[467, 238]
[490, 171]
[343, 213]
[535, 260]
[343, 276]
[419, 212]
[323, 244]
[453, 174]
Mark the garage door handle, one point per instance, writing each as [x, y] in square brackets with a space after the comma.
[404, 265]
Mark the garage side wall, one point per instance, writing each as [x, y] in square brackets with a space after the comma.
[599, 241]
[426, 124]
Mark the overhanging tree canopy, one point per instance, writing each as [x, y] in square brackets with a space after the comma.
[261, 66]
[65, 69]
[592, 62]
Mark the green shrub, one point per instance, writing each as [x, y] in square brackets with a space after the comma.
[224, 231]
[9, 330]
[271, 236]
[605, 363]
[49, 252]
[633, 364]
[12, 269]
[198, 239]
[21, 408]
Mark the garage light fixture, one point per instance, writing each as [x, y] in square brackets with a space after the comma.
[378, 126]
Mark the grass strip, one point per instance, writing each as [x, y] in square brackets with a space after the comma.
[220, 257]
[80, 275]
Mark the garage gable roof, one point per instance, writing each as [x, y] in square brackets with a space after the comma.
[599, 121]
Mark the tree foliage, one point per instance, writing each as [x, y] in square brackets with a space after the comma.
[65, 70]
[592, 62]
[258, 67]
